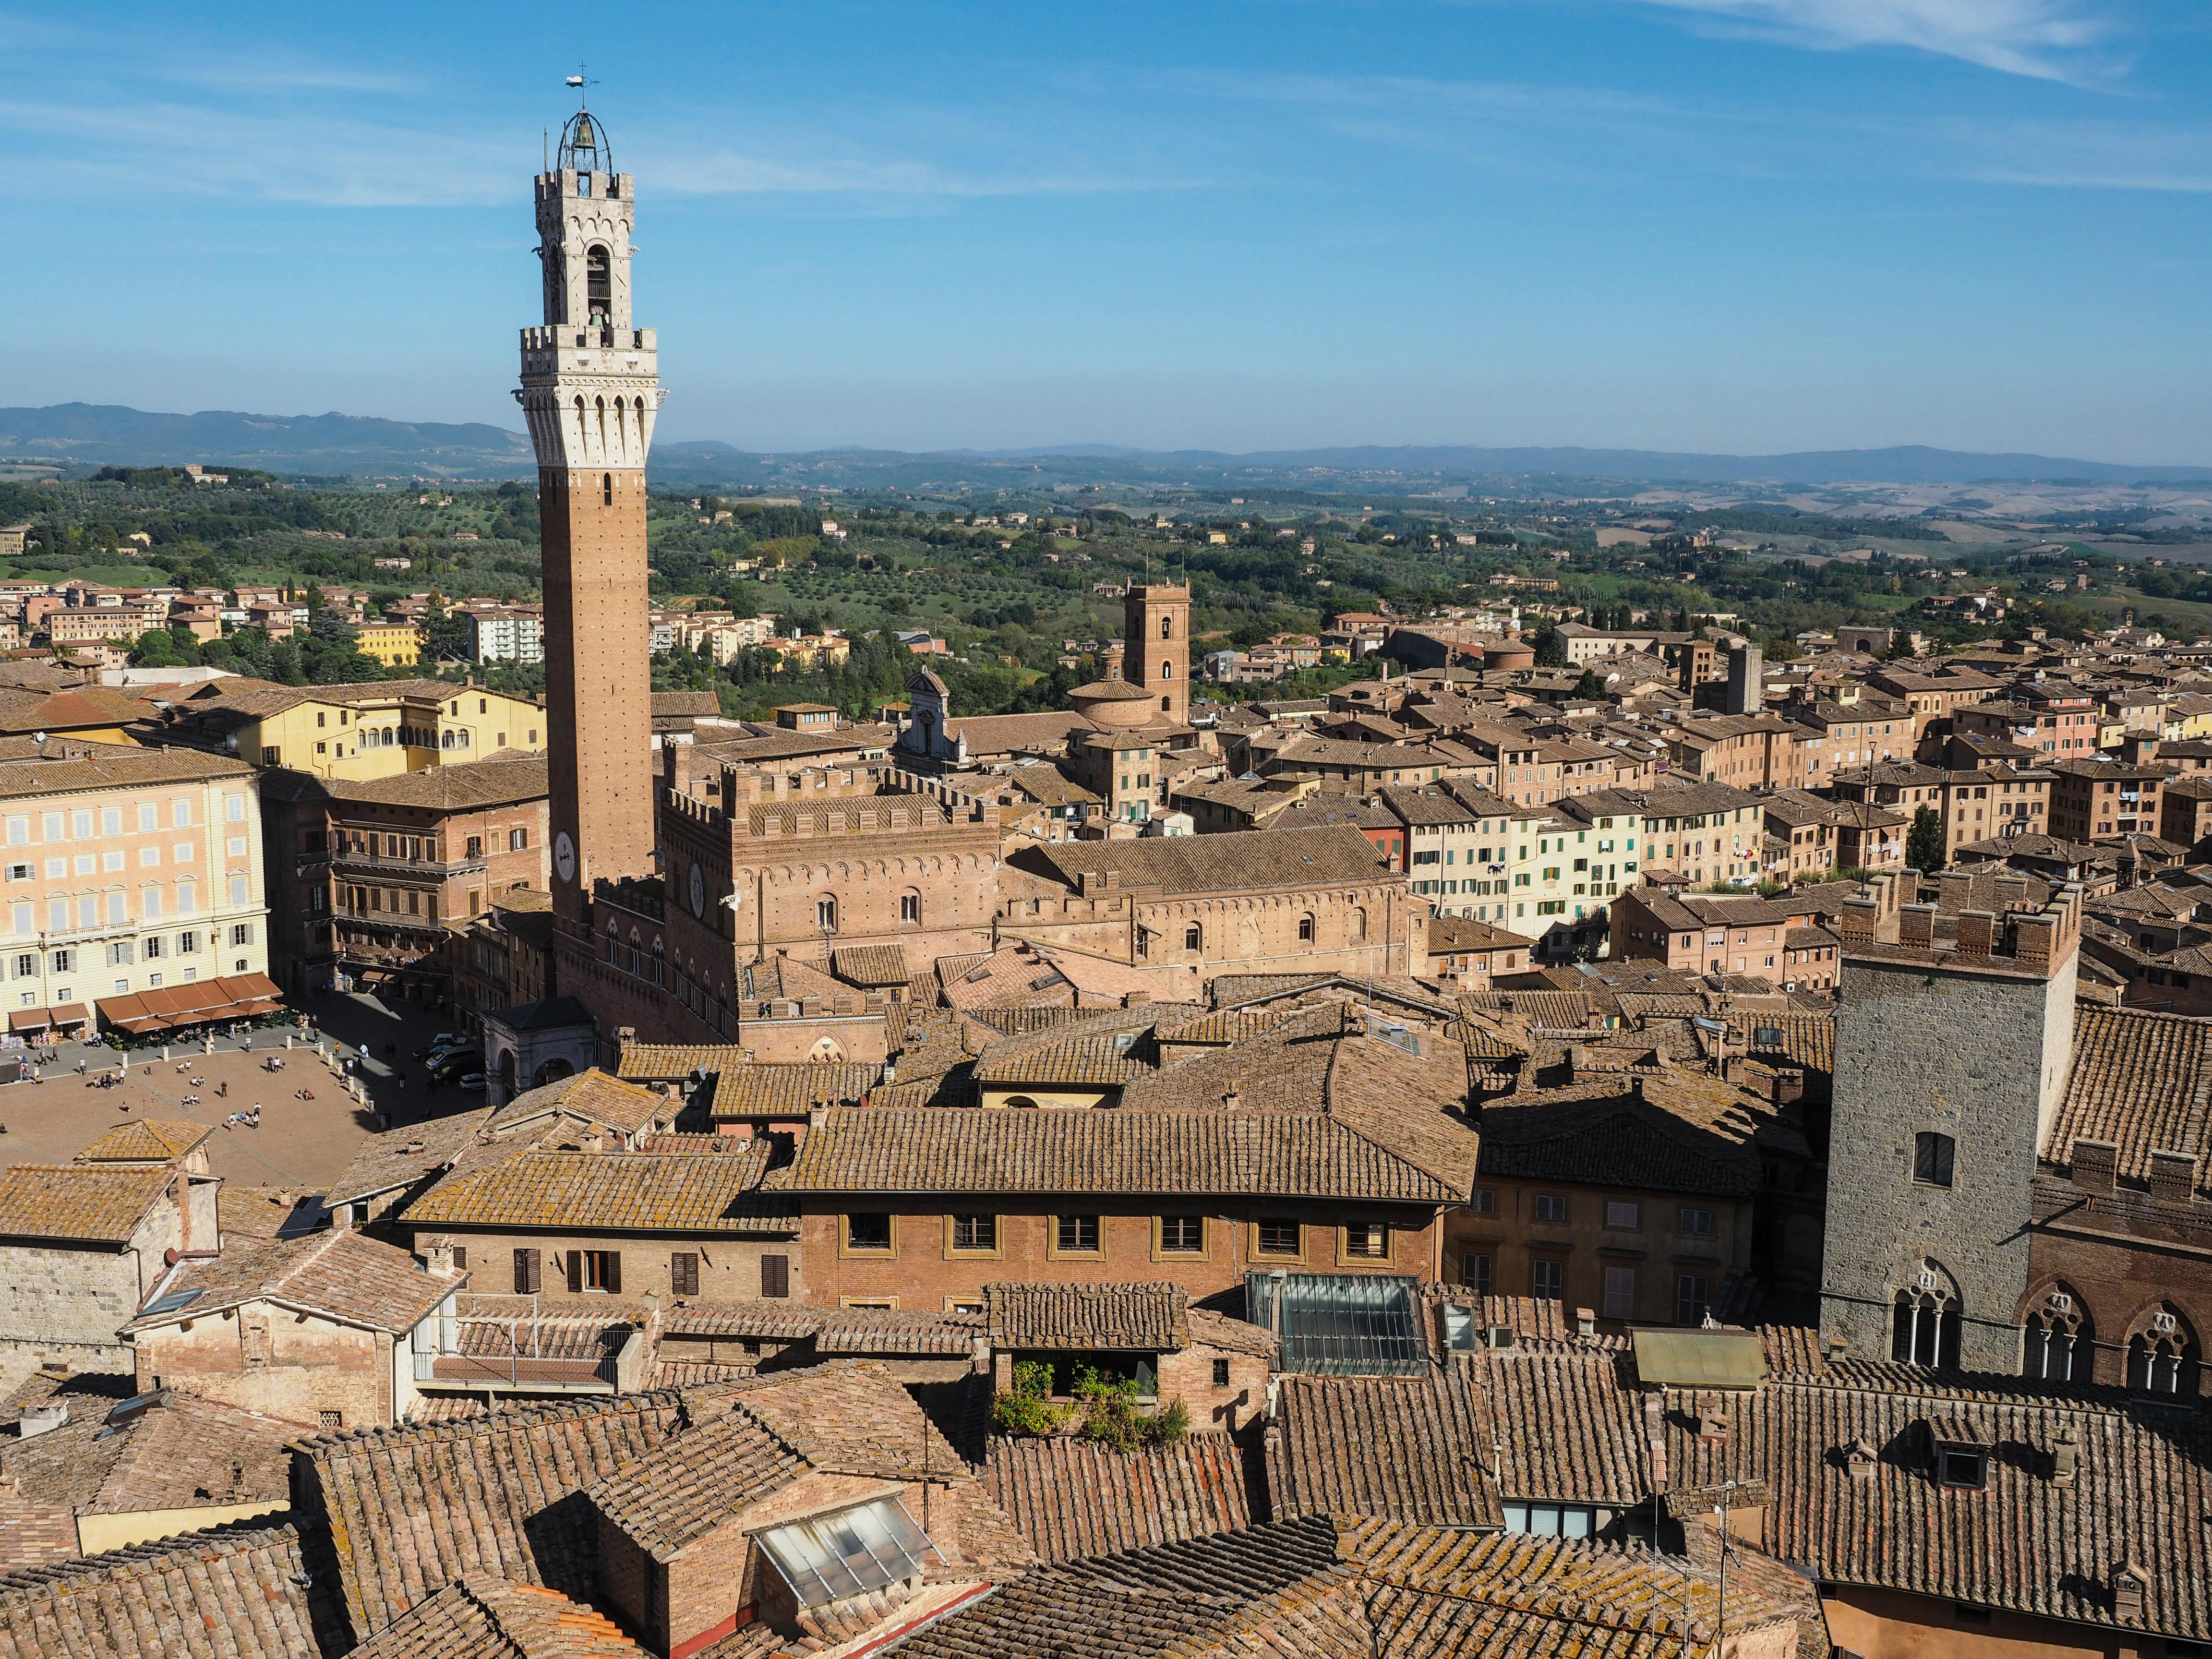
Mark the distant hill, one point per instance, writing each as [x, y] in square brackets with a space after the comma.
[108, 434]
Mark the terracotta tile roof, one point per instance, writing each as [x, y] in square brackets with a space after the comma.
[1537, 1323]
[1072, 1499]
[452, 788]
[1231, 1592]
[1095, 1058]
[1222, 1026]
[850, 1417]
[855, 1331]
[76, 1202]
[486, 1617]
[1557, 1011]
[1667, 1136]
[1124, 1150]
[1209, 1329]
[789, 1091]
[146, 1140]
[2024, 1542]
[1409, 1449]
[610, 1191]
[690, 1485]
[1332, 853]
[1574, 1428]
[339, 1273]
[589, 1096]
[397, 1159]
[405, 1511]
[158, 1451]
[870, 965]
[233, 1593]
[115, 769]
[653, 1062]
[265, 1212]
[1433, 1593]
[1807, 1040]
[1138, 1318]
[2141, 1080]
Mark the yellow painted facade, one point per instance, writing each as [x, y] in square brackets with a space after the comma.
[381, 738]
[396, 645]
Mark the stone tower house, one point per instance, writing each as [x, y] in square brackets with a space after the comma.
[1954, 1037]
[591, 389]
[1156, 633]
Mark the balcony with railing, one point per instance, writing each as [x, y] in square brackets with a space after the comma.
[515, 1342]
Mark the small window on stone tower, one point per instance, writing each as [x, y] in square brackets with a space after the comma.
[1167, 628]
[1933, 1155]
[599, 285]
[607, 490]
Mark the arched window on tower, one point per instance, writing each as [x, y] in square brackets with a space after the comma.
[2162, 1354]
[2059, 1340]
[599, 285]
[1167, 628]
[607, 489]
[1926, 1328]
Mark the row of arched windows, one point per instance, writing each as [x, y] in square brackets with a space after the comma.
[2058, 1338]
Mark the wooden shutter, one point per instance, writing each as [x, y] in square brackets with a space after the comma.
[613, 1259]
[460, 1257]
[575, 1273]
[684, 1272]
[775, 1275]
[525, 1273]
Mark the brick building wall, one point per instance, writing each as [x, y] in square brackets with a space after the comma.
[923, 1270]
[2122, 1255]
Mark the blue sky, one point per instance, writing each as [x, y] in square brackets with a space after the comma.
[1748, 225]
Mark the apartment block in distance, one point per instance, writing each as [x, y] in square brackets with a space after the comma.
[131, 873]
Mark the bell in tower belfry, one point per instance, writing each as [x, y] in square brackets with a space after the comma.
[590, 391]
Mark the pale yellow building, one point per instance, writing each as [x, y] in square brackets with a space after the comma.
[127, 870]
[396, 645]
[373, 729]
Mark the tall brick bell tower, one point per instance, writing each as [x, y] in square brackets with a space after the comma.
[590, 388]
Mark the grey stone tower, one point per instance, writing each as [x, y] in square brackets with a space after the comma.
[590, 391]
[1953, 1039]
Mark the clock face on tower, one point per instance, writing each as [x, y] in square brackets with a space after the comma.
[698, 891]
[564, 856]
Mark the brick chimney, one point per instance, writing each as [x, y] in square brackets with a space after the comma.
[2172, 1176]
[2094, 1163]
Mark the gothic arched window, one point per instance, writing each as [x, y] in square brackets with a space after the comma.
[1925, 1331]
[607, 490]
[2162, 1354]
[2059, 1340]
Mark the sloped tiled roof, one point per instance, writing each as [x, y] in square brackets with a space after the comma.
[161, 1451]
[1407, 1448]
[411, 1509]
[487, 1617]
[146, 1140]
[589, 1096]
[231, 1593]
[1071, 1498]
[2024, 1542]
[1574, 1426]
[2141, 1080]
[1330, 853]
[1671, 1135]
[1137, 1318]
[1125, 1150]
[856, 1331]
[646, 1192]
[340, 1273]
[399, 1157]
[77, 1202]
[759, 1090]
[661, 1062]
[870, 965]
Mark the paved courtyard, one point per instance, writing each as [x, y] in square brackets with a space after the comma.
[303, 1144]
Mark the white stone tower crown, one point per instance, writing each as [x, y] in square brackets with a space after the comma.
[591, 382]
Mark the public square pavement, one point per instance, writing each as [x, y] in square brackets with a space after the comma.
[301, 1145]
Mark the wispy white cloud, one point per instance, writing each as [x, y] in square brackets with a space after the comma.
[2050, 39]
